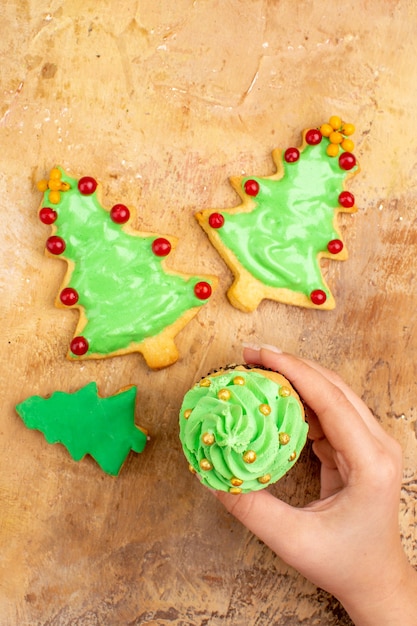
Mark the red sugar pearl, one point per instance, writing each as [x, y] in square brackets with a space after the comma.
[68, 296]
[161, 246]
[47, 215]
[55, 244]
[347, 160]
[120, 214]
[346, 199]
[79, 346]
[313, 136]
[335, 246]
[216, 220]
[87, 185]
[291, 155]
[251, 187]
[318, 296]
[202, 290]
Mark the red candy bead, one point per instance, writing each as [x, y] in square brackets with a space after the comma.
[346, 199]
[251, 187]
[55, 245]
[119, 214]
[161, 246]
[313, 136]
[202, 290]
[335, 246]
[318, 296]
[79, 346]
[68, 296]
[347, 160]
[47, 215]
[87, 185]
[216, 220]
[291, 155]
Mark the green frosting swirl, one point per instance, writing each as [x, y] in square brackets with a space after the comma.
[217, 433]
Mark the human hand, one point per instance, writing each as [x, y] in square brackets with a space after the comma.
[348, 541]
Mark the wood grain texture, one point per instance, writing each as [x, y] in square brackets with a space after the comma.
[162, 101]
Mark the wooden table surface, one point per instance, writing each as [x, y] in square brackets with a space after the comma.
[162, 102]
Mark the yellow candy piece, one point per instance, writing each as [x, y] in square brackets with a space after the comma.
[336, 137]
[335, 122]
[348, 145]
[332, 149]
[326, 129]
[55, 173]
[42, 185]
[54, 184]
[65, 186]
[348, 129]
[54, 197]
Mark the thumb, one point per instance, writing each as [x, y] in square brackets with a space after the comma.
[276, 523]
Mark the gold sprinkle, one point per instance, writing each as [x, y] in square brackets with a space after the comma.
[249, 456]
[239, 380]
[206, 465]
[207, 439]
[191, 468]
[223, 394]
[293, 456]
[265, 409]
[284, 391]
[235, 490]
[264, 479]
[205, 382]
[236, 482]
[284, 438]
[187, 413]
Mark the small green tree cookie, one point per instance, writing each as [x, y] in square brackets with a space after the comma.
[85, 423]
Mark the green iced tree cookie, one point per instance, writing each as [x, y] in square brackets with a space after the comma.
[275, 239]
[127, 298]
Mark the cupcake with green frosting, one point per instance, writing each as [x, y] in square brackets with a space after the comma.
[242, 428]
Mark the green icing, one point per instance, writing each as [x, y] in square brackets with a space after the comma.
[87, 424]
[279, 240]
[126, 294]
[238, 426]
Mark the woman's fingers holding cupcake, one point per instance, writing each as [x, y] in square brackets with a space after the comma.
[340, 421]
[266, 355]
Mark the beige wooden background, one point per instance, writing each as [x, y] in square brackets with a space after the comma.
[162, 101]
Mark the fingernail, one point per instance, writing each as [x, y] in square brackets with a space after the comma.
[267, 346]
[251, 346]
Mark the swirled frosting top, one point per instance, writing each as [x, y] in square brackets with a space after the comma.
[240, 430]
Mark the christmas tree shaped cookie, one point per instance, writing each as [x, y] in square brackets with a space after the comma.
[127, 298]
[274, 240]
[85, 423]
